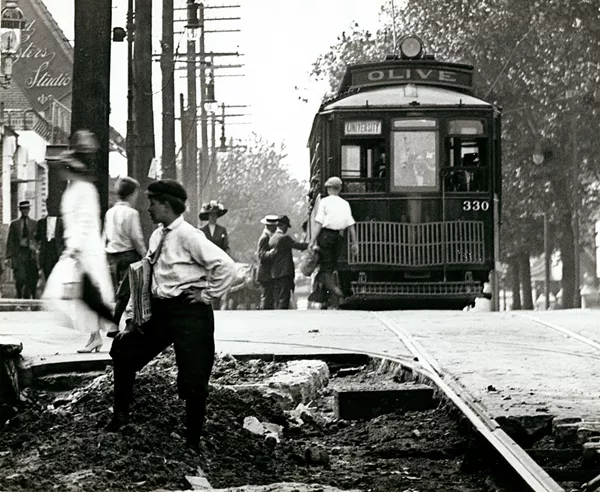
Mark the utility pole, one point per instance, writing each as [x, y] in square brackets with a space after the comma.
[184, 128]
[91, 82]
[167, 66]
[131, 136]
[203, 167]
[191, 136]
[143, 108]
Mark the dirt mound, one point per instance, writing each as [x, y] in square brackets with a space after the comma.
[56, 441]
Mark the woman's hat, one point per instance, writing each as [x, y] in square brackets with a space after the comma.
[270, 220]
[211, 207]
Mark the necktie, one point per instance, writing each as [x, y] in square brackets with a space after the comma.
[25, 233]
[156, 254]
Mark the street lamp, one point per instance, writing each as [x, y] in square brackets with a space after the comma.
[12, 23]
[538, 159]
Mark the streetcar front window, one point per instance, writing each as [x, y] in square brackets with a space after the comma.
[364, 167]
[414, 155]
[466, 157]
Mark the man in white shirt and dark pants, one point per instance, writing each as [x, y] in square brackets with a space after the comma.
[333, 217]
[189, 272]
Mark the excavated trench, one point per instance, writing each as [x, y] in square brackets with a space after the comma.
[261, 429]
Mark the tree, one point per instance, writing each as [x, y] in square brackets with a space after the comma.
[539, 61]
[253, 182]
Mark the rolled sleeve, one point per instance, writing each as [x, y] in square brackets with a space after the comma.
[220, 267]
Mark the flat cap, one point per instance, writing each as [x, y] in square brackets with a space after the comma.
[167, 187]
[334, 182]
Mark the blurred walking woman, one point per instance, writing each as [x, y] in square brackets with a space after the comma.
[80, 208]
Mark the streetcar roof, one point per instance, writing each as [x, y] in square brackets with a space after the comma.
[397, 96]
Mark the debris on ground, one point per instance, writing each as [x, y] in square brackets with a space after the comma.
[56, 440]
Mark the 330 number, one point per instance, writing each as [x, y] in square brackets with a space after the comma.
[475, 205]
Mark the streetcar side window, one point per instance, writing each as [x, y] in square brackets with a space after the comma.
[415, 155]
[466, 157]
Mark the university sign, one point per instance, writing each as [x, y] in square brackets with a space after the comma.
[405, 72]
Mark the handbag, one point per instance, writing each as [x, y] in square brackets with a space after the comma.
[309, 261]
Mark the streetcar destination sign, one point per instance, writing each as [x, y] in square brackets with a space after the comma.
[415, 72]
[367, 127]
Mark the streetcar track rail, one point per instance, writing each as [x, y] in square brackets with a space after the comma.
[422, 363]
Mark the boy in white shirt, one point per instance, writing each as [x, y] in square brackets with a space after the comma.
[333, 217]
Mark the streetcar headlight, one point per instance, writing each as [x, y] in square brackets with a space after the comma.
[411, 46]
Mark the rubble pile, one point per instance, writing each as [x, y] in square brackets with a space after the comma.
[56, 441]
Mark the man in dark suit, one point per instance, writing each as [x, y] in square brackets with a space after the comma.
[20, 253]
[49, 238]
[263, 275]
[282, 267]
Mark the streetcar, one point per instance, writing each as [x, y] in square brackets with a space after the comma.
[419, 157]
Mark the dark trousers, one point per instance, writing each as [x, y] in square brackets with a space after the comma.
[330, 246]
[26, 275]
[282, 291]
[190, 327]
[266, 295]
[48, 257]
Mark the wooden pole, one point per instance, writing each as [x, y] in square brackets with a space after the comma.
[91, 82]
[143, 108]
[191, 136]
[204, 163]
[167, 66]
[131, 134]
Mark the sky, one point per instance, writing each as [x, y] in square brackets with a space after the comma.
[279, 41]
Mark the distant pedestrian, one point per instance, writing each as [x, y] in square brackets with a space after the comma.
[189, 272]
[333, 217]
[80, 209]
[214, 232]
[283, 270]
[20, 253]
[50, 242]
[124, 241]
[263, 276]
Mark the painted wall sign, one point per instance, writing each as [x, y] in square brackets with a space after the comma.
[444, 75]
[370, 127]
[43, 67]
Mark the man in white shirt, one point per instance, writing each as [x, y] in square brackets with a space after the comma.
[124, 242]
[189, 272]
[333, 217]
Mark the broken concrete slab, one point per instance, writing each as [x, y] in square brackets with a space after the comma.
[354, 403]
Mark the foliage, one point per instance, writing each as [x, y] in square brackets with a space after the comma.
[253, 182]
[539, 61]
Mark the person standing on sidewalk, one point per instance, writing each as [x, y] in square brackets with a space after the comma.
[189, 272]
[333, 217]
[282, 267]
[20, 253]
[263, 276]
[124, 242]
[214, 232]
